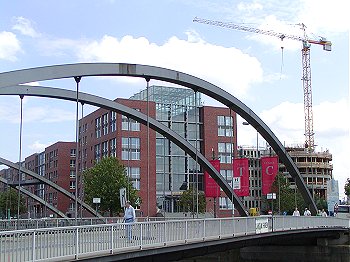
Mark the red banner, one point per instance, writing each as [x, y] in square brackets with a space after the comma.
[241, 176]
[269, 170]
[211, 188]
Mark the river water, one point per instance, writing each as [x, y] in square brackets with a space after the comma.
[278, 253]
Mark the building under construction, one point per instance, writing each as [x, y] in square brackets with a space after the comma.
[315, 168]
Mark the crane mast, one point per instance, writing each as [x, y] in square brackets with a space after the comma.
[306, 74]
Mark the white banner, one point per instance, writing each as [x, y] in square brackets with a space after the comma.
[236, 183]
[261, 225]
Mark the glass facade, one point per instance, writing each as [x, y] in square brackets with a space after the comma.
[178, 109]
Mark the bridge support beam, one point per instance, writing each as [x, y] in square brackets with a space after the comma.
[10, 79]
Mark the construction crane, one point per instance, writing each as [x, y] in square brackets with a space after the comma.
[306, 76]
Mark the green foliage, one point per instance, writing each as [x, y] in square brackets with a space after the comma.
[321, 203]
[287, 198]
[9, 201]
[188, 201]
[104, 180]
[347, 187]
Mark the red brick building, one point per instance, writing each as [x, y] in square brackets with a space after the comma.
[159, 169]
[105, 133]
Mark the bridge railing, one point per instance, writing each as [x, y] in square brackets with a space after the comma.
[18, 224]
[70, 243]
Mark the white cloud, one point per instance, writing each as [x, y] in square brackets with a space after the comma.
[320, 17]
[324, 16]
[287, 121]
[228, 68]
[329, 120]
[331, 129]
[9, 46]
[38, 147]
[243, 6]
[25, 27]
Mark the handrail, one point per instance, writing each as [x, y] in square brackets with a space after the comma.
[73, 242]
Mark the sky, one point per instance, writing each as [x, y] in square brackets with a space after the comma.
[252, 67]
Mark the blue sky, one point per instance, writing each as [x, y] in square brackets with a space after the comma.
[162, 33]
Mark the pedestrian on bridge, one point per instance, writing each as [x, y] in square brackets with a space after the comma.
[129, 218]
[307, 212]
[296, 213]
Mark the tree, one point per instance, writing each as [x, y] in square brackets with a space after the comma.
[188, 205]
[320, 202]
[104, 180]
[9, 203]
[347, 188]
[287, 197]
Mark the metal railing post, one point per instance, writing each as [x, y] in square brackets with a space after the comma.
[76, 243]
[112, 239]
[33, 247]
[233, 226]
[246, 225]
[204, 225]
[186, 229]
[141, 233]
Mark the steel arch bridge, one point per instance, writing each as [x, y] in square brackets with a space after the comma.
[14, 81]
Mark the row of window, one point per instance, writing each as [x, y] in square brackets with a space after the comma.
[225, 126]
[102, 126]
[130, 149]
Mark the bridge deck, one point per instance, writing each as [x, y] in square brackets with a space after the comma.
[101, 241]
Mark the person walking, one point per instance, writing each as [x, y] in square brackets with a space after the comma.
[307, 212]
[129, 218]
[324, 213]
[296, 213]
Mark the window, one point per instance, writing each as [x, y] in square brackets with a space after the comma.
[72, 184]
[113, 147]
[113, 121]
[130, 148]
[105, 124]
[134, 176]
[105, 149]
[71, 206]
[227, 175]
[84, 140]
[225, 152]
[225, 203]
[72, 174]
[97, 152]
[84, 153]
[72, 163]
[130, 124]
[98, 127]
[225, 126]
[72, 152]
